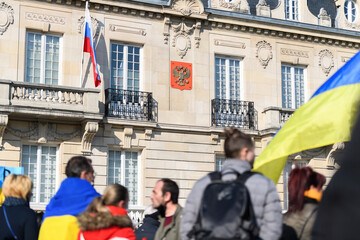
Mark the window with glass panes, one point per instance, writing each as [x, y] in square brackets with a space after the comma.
[40, 164]
[350, 10]
[125, 66]
[123, 168]
[286, 173]
[291, 10]
[227, 78]
[219, 162]
[42, 58]
[292, 85]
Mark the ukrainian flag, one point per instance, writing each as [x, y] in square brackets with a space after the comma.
[325, 119]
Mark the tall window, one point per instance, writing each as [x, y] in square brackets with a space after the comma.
[40, 164]
[125, 66]
[292, 85]
[292, 10]
[219, 162]
[123, 168]
[286, 173]
[350, 10]
[42, 58]
[227, 78]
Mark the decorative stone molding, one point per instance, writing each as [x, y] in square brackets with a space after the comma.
[345, 59]
[181, 39]
[54, 134]
[188, 7]
[326, 61]
[166, 33]
[45, 18]
[324, 18]
[119, 28]
[235, 5]
[331, 158]
[3, 123]
[295, 53]
[226, 43]
[351, 25]
[95, 26]
[197, 33]
[6, 17]
[24, 134]
[214, 138]
[148, 134]
[263, 9]
[91, 128]
[128, 132]
[264, 53]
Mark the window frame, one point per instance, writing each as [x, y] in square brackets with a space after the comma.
[43, 56]
[227, 76]
[122, 169]
[346, 13]
[125, 61]
[37, 204]
[218, 158]
[291, 10]
[292, 74]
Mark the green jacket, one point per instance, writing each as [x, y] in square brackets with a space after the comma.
[171, 231]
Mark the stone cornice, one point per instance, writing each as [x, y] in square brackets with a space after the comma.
[217, 19]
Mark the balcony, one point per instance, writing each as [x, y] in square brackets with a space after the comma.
[275, 117]
[130, 105]
[233, 113]
[35, 99]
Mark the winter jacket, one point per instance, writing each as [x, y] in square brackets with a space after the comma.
[149, 227]
[171, 231]
[297, 220]
[21, 218]
[108, 225]
[263, 194]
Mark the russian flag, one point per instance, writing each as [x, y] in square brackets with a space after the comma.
[89, 46]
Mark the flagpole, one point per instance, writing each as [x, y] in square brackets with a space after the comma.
[82, 49]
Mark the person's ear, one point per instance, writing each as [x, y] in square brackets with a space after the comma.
[83, 175]
[167, 197]
[121, 204]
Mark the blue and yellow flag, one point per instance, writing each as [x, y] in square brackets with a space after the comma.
[325, 119]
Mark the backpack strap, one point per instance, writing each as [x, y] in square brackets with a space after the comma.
[245, 176]
[306, 221]
[215, 176]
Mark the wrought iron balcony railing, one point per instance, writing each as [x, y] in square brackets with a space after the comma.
[130, 105]
[233, 113]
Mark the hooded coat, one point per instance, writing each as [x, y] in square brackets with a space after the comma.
[114, 224]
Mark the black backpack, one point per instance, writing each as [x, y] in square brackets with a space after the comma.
[226, 211]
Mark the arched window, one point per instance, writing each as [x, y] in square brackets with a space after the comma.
[292, 10]
[350, 10]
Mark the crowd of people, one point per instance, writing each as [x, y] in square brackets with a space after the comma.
[234, 203]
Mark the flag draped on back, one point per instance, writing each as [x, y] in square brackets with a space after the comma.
[325, 119]
[89, 45]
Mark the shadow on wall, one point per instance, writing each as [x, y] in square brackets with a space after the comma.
[314, 7]
[252, 5]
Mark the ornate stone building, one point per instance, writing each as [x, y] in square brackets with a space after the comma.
[174, 74]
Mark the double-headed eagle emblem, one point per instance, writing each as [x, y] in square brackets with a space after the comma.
[181, 75]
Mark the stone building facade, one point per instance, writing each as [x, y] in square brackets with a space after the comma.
[174, 74]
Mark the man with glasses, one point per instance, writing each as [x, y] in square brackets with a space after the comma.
[72, 198]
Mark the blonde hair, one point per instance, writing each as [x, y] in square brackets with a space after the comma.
[19, 186]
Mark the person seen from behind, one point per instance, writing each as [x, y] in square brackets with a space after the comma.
[165, 199]
[106, 217]
[150, 224]
[305, 192]
[239, 150]
[76, 192]
[17, 220]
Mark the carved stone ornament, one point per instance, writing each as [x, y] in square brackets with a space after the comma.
[227, 43]
[324, 18]
[295, 53]
[235, 5]
[188, 7]
[119, 28]
[331, 158]
[3, 123]
[6, 17]
[94, 23]
[128, 132]
[326, 61]
[181, 39]
[33, 130]
[264, 52]
[45, 18]
[91, 128]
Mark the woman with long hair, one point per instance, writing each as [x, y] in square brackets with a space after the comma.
[106, 217]
[17, 220]
[305, 192]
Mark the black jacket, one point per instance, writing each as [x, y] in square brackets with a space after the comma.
[22, 220]
[148, 228]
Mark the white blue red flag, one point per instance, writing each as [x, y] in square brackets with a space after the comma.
[89, 46]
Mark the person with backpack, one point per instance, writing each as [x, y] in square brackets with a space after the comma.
[234, 203]
[305, 192]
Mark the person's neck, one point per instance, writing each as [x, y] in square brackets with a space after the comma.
[170, 209]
